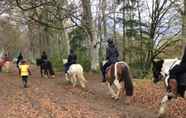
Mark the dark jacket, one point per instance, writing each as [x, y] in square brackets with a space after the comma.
[72, 58]
[44, 56]
[179, 69]
[19, 58]
[112, 53]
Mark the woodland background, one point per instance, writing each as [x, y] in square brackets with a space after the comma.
[142, 30]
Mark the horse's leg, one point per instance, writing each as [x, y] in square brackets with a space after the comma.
[66, 77]
[163, 105]
[74, 79]
[45, 72]
[41, 71]
[119, 88]
[111, 90]
[8, 67]
[82, 80]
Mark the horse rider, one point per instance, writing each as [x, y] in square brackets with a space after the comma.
[44, 56]
[19, 59]
[44, 60]
[72, 57]
[179, 69]
[112, 55]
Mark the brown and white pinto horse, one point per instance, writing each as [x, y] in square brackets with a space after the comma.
[118, 75]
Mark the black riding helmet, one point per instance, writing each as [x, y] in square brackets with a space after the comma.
[71, 51]
[110, 41]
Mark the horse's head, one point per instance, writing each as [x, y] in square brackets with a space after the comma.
[156, 69]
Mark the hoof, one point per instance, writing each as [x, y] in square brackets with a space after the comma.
[53, 76]
[113, 97]
[116, 98]
[161, 116]
[45, 76]
[162, 111]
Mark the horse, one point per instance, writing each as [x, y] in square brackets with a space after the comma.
[75, 75]
[46, 68]
[173, 87]
[5, 65]
[118, 75]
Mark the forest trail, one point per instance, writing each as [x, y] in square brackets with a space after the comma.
[55, 98]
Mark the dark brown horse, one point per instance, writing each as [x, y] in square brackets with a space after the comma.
[46, 68]
[118, 75]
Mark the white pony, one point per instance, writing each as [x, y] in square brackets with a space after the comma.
[75, 75]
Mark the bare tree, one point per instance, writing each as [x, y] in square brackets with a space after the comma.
[159, 25]
[87, 22]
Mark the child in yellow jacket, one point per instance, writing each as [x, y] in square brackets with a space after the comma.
[24, 71]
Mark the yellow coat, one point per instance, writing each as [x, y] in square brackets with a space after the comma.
[24, 69]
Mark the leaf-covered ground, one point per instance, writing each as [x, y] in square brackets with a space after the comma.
[54, 98]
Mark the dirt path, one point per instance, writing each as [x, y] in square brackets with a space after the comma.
[54, 98]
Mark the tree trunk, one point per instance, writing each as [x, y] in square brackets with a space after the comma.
[102, 29]
[124, 33]
[90, 28]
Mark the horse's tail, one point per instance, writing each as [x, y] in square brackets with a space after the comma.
[128, 81]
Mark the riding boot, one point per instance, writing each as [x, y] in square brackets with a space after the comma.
[103, 78]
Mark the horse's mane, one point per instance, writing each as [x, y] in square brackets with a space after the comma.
[169, 63]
